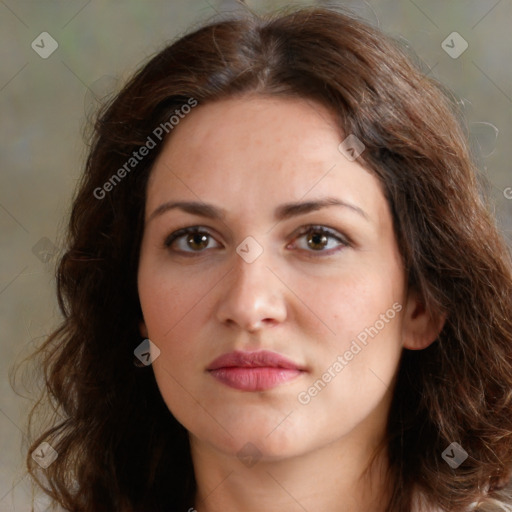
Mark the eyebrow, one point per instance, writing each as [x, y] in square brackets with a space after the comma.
[282, 212]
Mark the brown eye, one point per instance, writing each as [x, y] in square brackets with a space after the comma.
[189, 240]
[321, 240]
[197, 241]
[316, 240]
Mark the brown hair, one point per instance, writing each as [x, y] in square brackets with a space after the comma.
[119, 446]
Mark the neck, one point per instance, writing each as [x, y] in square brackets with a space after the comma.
[331, 479]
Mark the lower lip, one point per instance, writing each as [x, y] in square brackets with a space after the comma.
[254, 379]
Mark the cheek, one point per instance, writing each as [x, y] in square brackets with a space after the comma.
[346, 302]
[166, 301]
[353, 375]
[174, 306]
[362, 312]
[171, 312]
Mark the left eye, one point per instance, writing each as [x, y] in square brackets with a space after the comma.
[318, 239]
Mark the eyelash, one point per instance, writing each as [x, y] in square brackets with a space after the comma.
[344, 241]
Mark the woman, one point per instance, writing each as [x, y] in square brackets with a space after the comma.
[283, 289]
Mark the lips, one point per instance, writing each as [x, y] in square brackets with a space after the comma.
[254, 371]
[261, 359]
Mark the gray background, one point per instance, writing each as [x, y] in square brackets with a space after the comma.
[43, 105]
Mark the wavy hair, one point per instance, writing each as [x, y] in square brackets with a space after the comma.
[119, 447]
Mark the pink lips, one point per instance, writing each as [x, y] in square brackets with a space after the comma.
[253, 371]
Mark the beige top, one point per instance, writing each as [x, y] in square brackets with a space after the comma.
[419, 505]
[490, 505]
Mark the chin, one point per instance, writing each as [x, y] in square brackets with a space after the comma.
[274, 441]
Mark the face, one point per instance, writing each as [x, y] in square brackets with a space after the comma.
[319, 288]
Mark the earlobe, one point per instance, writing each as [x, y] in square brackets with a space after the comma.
[420, 327]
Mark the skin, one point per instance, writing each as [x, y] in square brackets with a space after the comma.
[298, 298]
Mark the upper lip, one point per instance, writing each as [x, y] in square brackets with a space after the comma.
[260, 359]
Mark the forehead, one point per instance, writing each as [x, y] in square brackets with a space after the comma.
[240, 125]
[256, 150]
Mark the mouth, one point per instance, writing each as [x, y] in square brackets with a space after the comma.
[254, 371]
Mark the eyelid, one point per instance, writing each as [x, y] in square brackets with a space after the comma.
[321, 227]
[344, 240]
[186, 231]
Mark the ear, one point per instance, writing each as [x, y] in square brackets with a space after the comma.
[420, 327]
[143, 329]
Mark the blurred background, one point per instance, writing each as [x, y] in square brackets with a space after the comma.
[59, 58]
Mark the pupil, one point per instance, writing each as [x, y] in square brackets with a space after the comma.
[199, 239]
[319, 239]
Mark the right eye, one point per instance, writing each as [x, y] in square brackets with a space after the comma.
[189, 240]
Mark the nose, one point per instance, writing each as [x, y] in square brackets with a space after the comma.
[252, 296]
